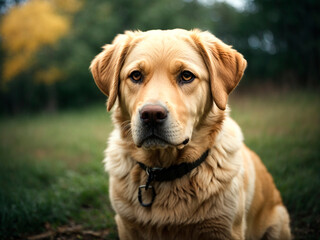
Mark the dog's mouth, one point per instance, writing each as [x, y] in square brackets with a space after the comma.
[154, 142]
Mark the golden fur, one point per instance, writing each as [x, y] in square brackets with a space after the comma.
[229, 196]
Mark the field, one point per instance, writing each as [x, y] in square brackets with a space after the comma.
[52, 181]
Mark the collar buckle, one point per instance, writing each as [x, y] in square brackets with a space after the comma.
[143, 204]
[151, 172]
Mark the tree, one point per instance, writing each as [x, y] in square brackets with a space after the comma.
[25, 29]
[31, 30]
[287, 31]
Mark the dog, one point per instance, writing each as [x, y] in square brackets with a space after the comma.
[177, 163]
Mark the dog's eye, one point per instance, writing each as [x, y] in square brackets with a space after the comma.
[186, 77]
[136, 76]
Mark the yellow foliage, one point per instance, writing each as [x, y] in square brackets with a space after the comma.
[68, 6]
[28, 27]
[49, 76]
[15, 64]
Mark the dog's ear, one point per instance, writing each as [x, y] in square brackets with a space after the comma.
[106, 66]
[225, 65]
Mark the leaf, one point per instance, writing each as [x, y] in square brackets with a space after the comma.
[49, 76]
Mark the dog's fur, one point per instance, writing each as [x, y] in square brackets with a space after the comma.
[229, 196]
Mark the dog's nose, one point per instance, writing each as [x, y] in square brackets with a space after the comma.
[153, 114]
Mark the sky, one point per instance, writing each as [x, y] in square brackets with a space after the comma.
[239, 4]
[236, 3]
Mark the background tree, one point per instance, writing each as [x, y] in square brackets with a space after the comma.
[283, 41]
[28, 29]
[25, 29]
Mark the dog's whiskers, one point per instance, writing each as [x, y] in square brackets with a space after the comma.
[126, 127]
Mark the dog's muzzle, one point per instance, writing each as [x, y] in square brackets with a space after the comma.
[153, 124]
[155, 127]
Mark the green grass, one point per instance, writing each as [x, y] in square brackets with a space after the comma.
[51, 169]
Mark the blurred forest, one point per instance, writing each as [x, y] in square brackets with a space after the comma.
[47, 45]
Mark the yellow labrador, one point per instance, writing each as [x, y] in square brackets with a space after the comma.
[177, 162]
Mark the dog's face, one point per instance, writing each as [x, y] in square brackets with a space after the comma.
[166, 81]
[160, 84]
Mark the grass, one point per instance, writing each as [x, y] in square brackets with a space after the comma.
[51, 170]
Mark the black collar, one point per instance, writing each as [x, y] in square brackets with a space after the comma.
[166, 174]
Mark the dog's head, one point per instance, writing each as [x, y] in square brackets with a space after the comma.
[166, 81]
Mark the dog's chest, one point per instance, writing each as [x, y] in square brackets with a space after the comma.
[178, 204]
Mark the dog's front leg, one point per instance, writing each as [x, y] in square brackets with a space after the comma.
[125, 230]
[220, 229]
